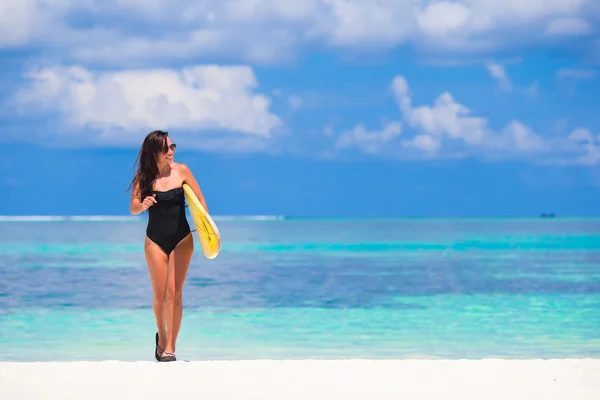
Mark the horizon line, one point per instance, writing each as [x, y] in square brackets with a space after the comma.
[259, 217]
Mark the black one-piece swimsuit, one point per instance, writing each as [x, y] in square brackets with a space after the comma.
[167, 224]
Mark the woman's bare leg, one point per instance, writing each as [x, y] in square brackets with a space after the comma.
[179, 263]
[158, 263]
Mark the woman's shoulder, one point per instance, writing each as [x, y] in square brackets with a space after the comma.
[180, 168]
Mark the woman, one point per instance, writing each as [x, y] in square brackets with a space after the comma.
[168, 246]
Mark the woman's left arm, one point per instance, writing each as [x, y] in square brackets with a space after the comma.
[188, 177]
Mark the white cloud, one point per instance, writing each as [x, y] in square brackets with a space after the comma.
[24, 21]
[498, 72]
[521, 138]
[590, 145]
[273, 30]
[568, 26]
[446, 118]
[576, 73]
[423, 142]
[371, 142]
[443, 17]
[131, 33]
[448, 129]
[194, 99]
[582, 135]
[432, 126]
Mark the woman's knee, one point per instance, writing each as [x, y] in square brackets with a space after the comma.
[160, 297]
[174, 293]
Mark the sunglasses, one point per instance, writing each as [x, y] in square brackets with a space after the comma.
[173, 146]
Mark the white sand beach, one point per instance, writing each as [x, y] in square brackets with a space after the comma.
[304, 379]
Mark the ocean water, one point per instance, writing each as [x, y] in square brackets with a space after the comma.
[308, 288]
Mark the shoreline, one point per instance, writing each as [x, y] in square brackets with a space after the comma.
[491, 378]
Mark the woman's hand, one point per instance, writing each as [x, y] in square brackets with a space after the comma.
[148, 202]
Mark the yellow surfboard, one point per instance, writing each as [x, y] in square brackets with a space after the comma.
[206, 229]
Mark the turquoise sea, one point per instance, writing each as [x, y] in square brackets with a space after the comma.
[78, 289]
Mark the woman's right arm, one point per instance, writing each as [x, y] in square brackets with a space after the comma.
[136, 206]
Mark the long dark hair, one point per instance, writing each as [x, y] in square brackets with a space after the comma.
[146, 171]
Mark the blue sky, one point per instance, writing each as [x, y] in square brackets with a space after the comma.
[323, 108]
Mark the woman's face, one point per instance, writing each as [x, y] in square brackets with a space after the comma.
[166, 157]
